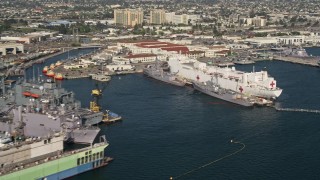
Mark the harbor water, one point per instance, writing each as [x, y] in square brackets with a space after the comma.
[168, 130]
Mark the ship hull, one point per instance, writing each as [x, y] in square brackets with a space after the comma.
[75, 171]
[61, 168]
[226, 96]
[93, 119]
[164, 77]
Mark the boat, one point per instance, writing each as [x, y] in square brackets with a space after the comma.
[45, 69]
[50, 73]
[101, 77]
[244, 62]
[26, 93]
[258, 84]
[52, 66]
[295, 52]
[35, 95]
[58, 76]
[157, 71]
[36, 155]
[227, 95]
[58, 63]
[47, 97]
[5, 138]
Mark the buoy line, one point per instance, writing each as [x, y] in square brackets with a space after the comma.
[214, 161]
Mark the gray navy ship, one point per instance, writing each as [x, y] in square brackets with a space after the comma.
[33, 136]
[49, 106]
[160, 71]
[47, 94]
[227, 95]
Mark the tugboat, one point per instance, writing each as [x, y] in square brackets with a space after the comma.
[50, 73]
[45, 69]
[58, 76]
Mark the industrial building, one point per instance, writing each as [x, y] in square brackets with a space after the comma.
[11, 48]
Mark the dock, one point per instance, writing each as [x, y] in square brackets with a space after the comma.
[298, 110]
[310, 61]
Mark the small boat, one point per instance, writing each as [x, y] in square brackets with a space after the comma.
[58, 63]
[35, 95]
[26, 93]
[45, 69]
[101, 77]
[58, 76]
[50, 73]
[52, 66]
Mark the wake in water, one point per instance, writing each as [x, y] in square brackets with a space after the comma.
[243, 146]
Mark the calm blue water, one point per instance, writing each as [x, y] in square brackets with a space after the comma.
[169, 130]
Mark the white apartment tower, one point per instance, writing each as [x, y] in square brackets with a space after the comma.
[157, 16]
[128, 17]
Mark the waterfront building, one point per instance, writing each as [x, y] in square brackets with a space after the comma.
[30, 37]
[11, 48]
[128, 17]
[152, 46]
[260, 41]
[157, 16]
[119, 67]
[141, 58]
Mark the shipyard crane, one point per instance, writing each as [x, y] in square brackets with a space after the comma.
[96, 96]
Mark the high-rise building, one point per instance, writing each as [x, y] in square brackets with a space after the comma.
[157, 16]
[128, 17]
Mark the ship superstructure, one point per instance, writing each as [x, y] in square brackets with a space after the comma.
[258, 84]
[38, 121]
[50, 107]
[160, 71]
[40, 153]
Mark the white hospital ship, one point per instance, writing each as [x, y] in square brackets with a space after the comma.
[258, 84]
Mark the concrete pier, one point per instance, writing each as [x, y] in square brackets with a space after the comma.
[310, 61]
